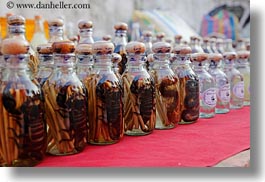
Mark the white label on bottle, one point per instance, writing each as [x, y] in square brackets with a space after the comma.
[224, 93]
[209, 97]
[238, 89]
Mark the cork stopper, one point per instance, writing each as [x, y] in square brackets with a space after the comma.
[182, 50]
[193, 37]
[161, 47]
[83, 49]
[73, 38]
[84, 24]
[178, 37]
[106, 38]
[63, 47]
[230, 55]
[116, 58]
[206, 39]
[16, 20]
[15, 46]
[216, 57]
[160, 35]
[199, 57]
[135, 48]
[121, 26]
[37, 17]
[243, 54]
[44, 49]
[102, 47]
[147, 33]
[57, 22]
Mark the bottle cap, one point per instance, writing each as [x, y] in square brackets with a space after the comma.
[44, 49]
[84, 24]
[199, 57]
[160, 35]
[193, 37]
[230, 55]
[147, 33]
[243, 54]
[16, 20]
[178, 37]
[102, 47]
[135, 47]
[37, 17]
[15, 46]
[63, 47]
[182, 50]
[57, 22]
[161, 47]
[83, 49]
[73, 38]
[206, 39]
[121, 26]
[216, 57]
[106, 38]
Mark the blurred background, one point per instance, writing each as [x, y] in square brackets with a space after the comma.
[190, 17]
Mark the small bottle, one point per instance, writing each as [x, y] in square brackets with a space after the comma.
[86, 32]
[46, 62]
[139, 93]
[56, 32]
[244, 69]
[120, 42]
[213, 45]
[135, 35]
[222, 84]
[177, 40]
[207, 86]
[206, 46]
[220, 46]
[228, 45]
[38, 36]
[23, 126]
[194, 45]
[65, 103]
[147, 40]
[236, 80]
[106, 124]
[188, 85]
[167, 88]
[160, 37]
[241, 45]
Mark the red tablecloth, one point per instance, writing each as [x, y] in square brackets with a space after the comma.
[204, 143]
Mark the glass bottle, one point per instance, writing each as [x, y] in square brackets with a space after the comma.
[65, 104]
[22, 121]
[236, 81]
[194, 45]
[222, 84]
[106, 124]
[86, 32]
[228, 45]
[220, 45]
[177, 40]
[46, 62]
[147, 40]
[206, 45]
[139, 93]
[56, 32]
[207, 86]
[160, 37]
[38, 36]
[244, 69]
[188, 85]
[135, 35]
[213, 45]
[167, 88]
[241, 45]
[120, 42]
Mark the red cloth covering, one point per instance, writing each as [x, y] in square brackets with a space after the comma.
[202, 144]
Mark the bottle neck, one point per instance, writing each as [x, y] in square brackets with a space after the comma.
[103, 62]
[242, 62]
[86, 36]
[214, 65]
[229, 47]
[161, 60]
[199, 66]
[85, 60]
[229, 63]
[56, 33]
[64, 61]
[17, 62]
[38, 26]
[181, 60]
[120, 38]
[17, 31]
[46, 60]
[136, 62]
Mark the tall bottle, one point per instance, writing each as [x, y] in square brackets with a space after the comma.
[207, 86]
[222, 84]
[244, 69]
[147, 40]
[106, 124]
[167, 88]
[65, 104]
[120, 42]
[139, 93]
[56, 31]
[86, 32]
[39, 35]
[188, 85]
[135, 35]
[195, 45]
[236, 80]
[22, 127]
[206, 46]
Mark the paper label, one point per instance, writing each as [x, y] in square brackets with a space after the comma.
[238, 89]
[224, 93]
[209, 97]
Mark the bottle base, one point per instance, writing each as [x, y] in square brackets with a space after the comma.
[246, 103]
[207, 115]
[103, 143]
[221, 111]
[137, 133]
[182, 122]
[21, 163]
[236, 106]
[171, 126]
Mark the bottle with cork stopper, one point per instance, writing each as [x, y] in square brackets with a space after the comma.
[243, 67]
[188, 84]
[65, 103]
[38, 36]
[56, 30]
[206, 45]
[106, 124]
[177, 40]
[167, 88]
[147, 40]
[236, 80]
[23, 126]
[206, 84]
[85, 32]
[222, 83]
[139, 93]
[160, 37]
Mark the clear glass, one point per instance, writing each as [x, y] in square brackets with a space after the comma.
[86, 36]
[120, 42]
[236, 80]
[135, 35]
[22, 127]
[66, 108]
[85, 63]
[56, 34]
[148, 49]
[167, 93]
[139, 98]
[39, 35]
[207, 91]
[189, 89]
[222, 88]
[106, 125]
[244, 69]
[207, 47]
[228, 45]
[45, 68]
